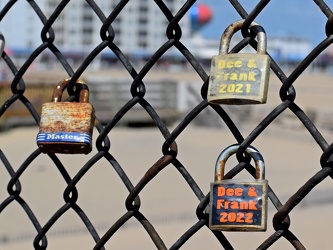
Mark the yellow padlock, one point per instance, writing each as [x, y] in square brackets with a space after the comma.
[239, 78]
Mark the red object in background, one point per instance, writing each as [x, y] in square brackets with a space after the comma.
[204, 13]
[200, 14]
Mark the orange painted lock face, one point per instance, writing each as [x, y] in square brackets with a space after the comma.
[66, 127]
[238, 205]
[235, 204]
[223, 191]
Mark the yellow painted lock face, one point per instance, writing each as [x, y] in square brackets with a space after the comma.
[239, 79]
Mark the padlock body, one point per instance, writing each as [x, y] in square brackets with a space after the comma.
[239, 79]
[238, 205]
[66, 127]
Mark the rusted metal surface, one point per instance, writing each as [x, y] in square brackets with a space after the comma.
[241, 200]
[66, 117]
[226, 153]
[67, 127]
[63, 84]
[232, 29]
[16, 98]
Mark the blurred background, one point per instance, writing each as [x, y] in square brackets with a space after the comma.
[173, 89]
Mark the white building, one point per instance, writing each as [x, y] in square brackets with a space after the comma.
[21, 26]
[140, 29]
[140, 26]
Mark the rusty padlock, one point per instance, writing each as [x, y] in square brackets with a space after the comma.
[66, 127]
[239, 78]
[235, 204]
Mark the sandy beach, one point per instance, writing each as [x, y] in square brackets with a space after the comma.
[167, 200]
[291, 158]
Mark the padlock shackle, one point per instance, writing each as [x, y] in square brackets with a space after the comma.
[80, 86]
[226, 153]
[236, 26]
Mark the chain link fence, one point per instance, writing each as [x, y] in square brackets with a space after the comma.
[134, 216]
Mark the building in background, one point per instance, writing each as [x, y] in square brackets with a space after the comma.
[139, 30]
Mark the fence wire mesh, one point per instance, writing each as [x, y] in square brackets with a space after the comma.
[136, 87]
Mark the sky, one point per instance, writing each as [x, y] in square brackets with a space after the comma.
[301, 18]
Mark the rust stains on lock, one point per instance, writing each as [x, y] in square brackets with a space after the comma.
[238, 204]
[66, 127]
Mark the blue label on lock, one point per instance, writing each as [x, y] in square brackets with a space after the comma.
[70, 137]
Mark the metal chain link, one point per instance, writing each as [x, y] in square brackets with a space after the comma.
[287, 92]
